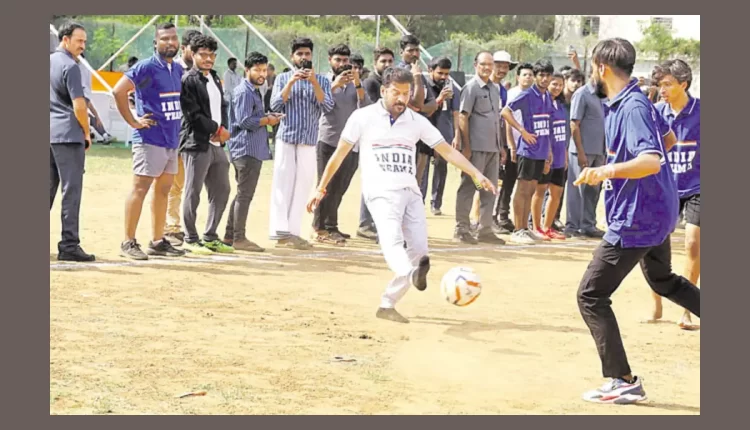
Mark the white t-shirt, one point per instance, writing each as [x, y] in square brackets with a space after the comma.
[215, 96]
[518, 115]
[388, 153]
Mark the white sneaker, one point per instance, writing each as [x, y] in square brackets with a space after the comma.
[536, 236]
[617, 392]
[522, 237]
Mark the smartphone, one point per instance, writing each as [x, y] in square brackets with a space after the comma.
[306, 65]
[571, 49]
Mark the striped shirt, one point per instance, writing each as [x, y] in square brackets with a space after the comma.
[303, 111]
[247, 137]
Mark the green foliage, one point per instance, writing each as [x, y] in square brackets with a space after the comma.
[658, 40]
[102, 45]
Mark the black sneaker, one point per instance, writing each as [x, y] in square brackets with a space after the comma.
[465, 237]
[594, 233]
[344, 235]
[131, 249]
[76, 255]
[419, 275]
[558, 225]
[164, 249]
[505, 226]
[489, 236]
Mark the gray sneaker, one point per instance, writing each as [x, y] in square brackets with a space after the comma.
[131, 249]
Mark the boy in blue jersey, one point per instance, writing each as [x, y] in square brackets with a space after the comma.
[682, 113]
[641, 204]
[530, 114]
[157, 83]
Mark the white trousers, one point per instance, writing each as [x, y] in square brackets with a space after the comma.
[398, 216]
[293, 178]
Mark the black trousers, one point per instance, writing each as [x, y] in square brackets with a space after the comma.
[326, 215]
[610, 265]
[246, 173]
[509, 175]
[66, 164]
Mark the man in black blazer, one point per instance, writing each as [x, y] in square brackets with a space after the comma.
[205, 129]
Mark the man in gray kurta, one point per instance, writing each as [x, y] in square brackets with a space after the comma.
[479, 122]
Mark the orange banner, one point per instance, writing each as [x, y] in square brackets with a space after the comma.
[109, 77]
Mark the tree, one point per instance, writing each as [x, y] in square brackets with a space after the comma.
[658, 40]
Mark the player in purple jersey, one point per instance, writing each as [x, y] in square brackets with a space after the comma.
[530, 115]
[682, 113]
[157, 84]
[554, 180]
[642, 205]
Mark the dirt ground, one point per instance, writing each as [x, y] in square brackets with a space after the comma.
[259, 332]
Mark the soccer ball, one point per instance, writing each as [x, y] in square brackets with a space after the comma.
[461, 286]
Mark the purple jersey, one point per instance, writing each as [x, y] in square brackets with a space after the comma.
[534, 110]
[685, 155]
[157, 91]
[640, 212]
[560, 135]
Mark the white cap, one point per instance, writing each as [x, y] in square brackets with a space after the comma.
[504, 57]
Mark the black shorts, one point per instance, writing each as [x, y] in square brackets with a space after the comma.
[692, 207]
[530, 170]
[554, 177]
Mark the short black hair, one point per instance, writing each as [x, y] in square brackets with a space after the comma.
[203, 41]
[271, 67]
[340, 49]
[617, 53]
[286, 69]
[132, 61]
[476, 57]
[301, 42]
[543, 66]
[164, 26]
[67, 29]
[564, 69]
[188, 36]
[574, 74]
[379, 52]
[440, 63]
[254, 58]
[524, 66]
[229, 61]
[397, 75]
[408, 39]
[678, 69]
[357, 59]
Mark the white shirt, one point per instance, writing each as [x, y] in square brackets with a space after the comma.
[517, 115]
[388, 153]
[231, 80]
[215, 96]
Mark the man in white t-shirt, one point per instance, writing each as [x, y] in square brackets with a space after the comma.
[205, 129]
[387, 133]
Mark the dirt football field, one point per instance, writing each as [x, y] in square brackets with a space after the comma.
[294, 332]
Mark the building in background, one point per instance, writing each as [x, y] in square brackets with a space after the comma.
[583, 31]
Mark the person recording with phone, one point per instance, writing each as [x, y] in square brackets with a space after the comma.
[303, 96]
[348, 96]
[446, 94]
